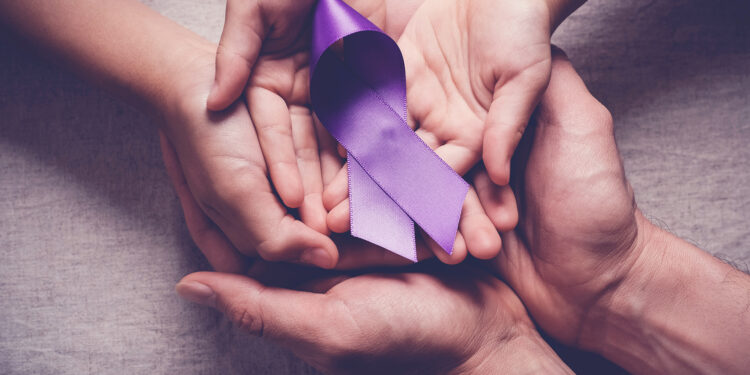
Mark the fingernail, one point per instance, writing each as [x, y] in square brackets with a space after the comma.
[196, 292]
[317, 257]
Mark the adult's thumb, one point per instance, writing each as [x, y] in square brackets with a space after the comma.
[288, 316]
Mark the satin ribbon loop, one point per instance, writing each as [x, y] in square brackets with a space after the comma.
[359, 95]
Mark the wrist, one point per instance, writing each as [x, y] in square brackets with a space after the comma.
[522, 352]
[674, 312]
[186, 77]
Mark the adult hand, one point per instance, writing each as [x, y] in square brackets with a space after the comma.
[579, 232]
[593, 272]
[430, 319]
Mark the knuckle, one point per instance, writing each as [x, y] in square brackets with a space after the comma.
[596, 116]
[273, 128]
[245, 319]
[307, 152]
[234, 184]
[271, 248]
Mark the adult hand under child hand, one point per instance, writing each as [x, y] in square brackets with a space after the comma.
[579, 232]
[593, 272]
[426, 319]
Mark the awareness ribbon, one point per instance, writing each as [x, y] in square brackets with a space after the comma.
[359, 95]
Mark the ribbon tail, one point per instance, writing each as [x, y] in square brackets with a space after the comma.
[375, 217]
[361, 99]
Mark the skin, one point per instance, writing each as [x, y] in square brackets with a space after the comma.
[277, 105]
[464, 90]
[332, 322]
[168, 71]
[589, 268]
[275, 78]
[424, 319]
[593, 272]
[220, 157]
[482, 95]
[578, 231]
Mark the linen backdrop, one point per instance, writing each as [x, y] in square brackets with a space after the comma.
[92, 238]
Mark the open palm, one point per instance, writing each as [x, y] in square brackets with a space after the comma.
[474, 72]
[424, 320]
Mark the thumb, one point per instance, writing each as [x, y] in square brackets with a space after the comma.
[290, 317]
[239, 47]
[512, 105]
[567, 101]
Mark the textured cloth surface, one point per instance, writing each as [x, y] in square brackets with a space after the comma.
[92, 239]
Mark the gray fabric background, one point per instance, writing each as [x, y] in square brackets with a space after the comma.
[92, 239]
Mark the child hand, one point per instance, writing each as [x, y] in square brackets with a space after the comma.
[219, 172]
[475, 71]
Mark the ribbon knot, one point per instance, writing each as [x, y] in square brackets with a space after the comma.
[395, 179]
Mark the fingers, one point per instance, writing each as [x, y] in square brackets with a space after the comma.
[568, 102]
[271, 117]
[456, 256]
[337, 190]
[290, 317]
[240, 44]
[330, 162]
[308, 160]
[459, 156]
[336, 201]
[358, 254]
[259, 223]
[476, 235]
[498, 202]
[482, 239]
[286, 275]
[512, 106]
[338, 219]
[228, 176]
[210, 240]
[461, 151]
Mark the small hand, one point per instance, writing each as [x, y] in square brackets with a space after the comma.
[475, 70]
[255, 28]
[263, 53]
[216, 165]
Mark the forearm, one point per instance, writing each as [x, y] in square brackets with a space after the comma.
[121, 45]
[680, 311]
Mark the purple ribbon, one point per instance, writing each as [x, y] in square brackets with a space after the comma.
[359, 95]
